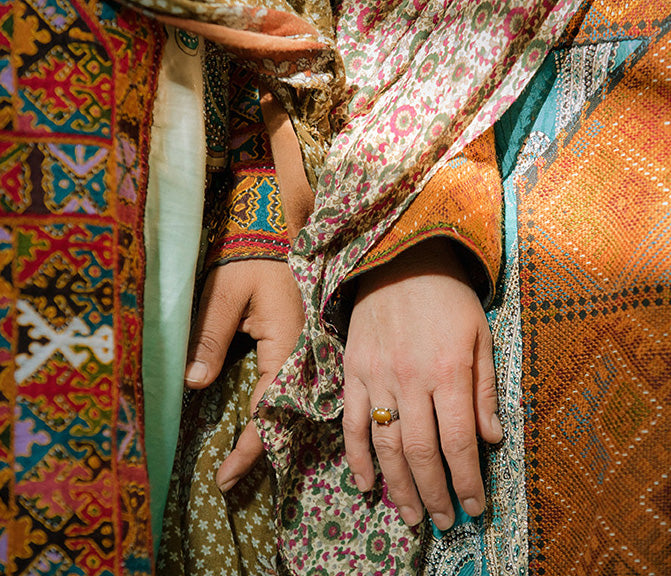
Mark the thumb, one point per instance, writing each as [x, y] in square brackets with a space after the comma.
[222, 305]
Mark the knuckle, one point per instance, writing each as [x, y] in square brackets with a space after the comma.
[358, 365]
[354, 461]
[458, 442]
[437, 501]
[400, 491]
[349, 358]
[351, 364]
[206, 344]
[486, 339]
[351, 428]
[468, 487]
[419, 453]
[487, 388]
[448, 368]
[356, 458]
[387, 447]
[403, 367]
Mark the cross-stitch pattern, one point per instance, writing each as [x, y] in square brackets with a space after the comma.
[77, 82]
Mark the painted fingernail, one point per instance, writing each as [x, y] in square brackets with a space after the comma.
[410, 515]
[442, 521]
[196, 372]
[472, 507]
[496, 426]
[360, 483]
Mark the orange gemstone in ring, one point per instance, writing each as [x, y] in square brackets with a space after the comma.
[384, 416]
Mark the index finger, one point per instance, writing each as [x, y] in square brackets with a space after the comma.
[248, 449]
[221, 308]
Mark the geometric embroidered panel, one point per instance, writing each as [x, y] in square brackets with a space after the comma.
[595, 232]
[76, 88]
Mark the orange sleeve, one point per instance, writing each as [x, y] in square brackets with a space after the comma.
[463, 202]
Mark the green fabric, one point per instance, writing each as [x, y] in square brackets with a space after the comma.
[172, 235]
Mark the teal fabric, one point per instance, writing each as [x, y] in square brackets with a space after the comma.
[537, 108]
[173, 224]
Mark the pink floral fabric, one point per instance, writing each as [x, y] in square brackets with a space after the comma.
[423, 80]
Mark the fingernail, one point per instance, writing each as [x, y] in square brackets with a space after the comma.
[472, 507]
[360, 483]
[228, 484]
[442, 521]
[496, 426]
[196, 372]
[410, 515]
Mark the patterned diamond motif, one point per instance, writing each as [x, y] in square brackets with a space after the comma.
[73, 478]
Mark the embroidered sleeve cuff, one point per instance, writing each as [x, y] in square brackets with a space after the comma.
[247, 219]
[463, 202]
[254, 225]
[245, 247]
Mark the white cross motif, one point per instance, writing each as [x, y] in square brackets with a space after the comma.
[73, 336]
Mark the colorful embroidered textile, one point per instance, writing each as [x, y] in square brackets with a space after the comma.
[246, 221]
[76, 94]
[595, 280]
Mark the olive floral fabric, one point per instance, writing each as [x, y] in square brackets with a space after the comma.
[204, 531]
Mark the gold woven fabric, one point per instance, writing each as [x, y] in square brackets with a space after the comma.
[596, 310]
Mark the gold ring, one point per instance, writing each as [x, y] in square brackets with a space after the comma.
[383, 416]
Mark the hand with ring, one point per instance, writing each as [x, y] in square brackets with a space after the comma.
[419, 377]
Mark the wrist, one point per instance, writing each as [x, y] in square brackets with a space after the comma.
[432, 257]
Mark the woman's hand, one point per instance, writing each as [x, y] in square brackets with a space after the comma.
[419, 342]
[259, 297]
